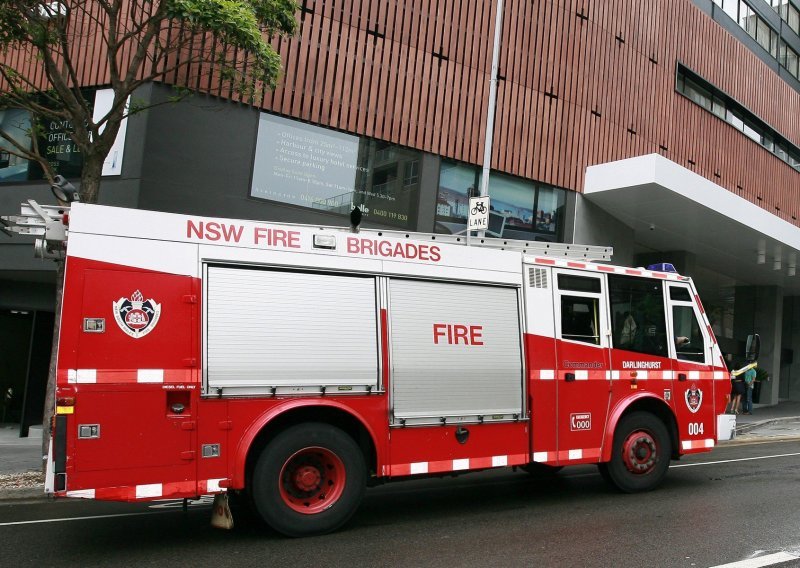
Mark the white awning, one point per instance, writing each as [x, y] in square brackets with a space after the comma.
[672, 208]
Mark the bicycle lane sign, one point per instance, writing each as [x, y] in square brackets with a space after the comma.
[478, 213]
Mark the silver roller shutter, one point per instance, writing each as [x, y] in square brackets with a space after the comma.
[268, 328]
[432, 381]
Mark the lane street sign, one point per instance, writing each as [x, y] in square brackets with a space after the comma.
[478, 219]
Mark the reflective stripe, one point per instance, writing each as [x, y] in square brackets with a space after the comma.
[462, 464]
[150, 376]
[151, 490]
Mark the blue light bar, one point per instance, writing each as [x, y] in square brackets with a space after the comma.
[662, 267]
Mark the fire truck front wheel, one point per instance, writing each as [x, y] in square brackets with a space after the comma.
[309, 480]
[640, 455]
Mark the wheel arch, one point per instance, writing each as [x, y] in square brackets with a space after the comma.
[642, 402]
[279, 418]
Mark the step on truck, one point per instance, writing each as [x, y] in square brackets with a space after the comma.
[296, 365]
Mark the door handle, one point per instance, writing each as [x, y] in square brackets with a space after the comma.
[569, 377]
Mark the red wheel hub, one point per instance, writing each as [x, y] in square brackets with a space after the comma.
[640, 452]
[312, 480]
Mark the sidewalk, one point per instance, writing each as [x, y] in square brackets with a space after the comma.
[21, 471]
[778, 422]
[20, 463]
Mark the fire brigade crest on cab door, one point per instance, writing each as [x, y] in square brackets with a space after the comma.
[136, 316]
[694, 398]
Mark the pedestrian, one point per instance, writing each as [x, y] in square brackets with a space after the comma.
[738, 387]
[737, 390]
[749, 383]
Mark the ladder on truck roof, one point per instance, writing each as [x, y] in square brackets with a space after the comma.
[47, 221]
[560, 250]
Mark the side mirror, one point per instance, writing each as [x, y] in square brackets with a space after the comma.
[753, 347]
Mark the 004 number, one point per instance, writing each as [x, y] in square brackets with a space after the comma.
[695, 428]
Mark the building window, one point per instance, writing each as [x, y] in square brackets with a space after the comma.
[411, 177]
[788, 13]
[322, 169]
[743, 14]
[519, 209]
[712, 99]
[16, 124]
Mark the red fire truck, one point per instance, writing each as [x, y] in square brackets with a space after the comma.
[298, 364]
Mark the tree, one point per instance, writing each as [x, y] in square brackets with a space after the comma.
[186, 43]
[43, 45]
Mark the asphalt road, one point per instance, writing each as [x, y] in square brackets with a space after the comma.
[736, 503]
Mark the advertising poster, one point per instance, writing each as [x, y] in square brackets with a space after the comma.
[314, 167]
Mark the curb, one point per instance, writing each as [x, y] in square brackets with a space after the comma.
[744, 440]
[744, 428]
[23, 493]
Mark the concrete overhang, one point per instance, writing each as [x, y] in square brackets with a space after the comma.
[671, 208]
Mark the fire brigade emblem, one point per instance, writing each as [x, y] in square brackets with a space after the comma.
[136, 316]
[694, 398]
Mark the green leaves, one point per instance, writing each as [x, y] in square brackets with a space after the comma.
[241, 24]
[191, 44]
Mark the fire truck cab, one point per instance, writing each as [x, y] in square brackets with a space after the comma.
[296, 364]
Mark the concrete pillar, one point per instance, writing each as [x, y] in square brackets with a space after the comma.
[759, 309]
[790, 367]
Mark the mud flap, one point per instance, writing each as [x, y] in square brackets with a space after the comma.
[221, 516]
[49, 476]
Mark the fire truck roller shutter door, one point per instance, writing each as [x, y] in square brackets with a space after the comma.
[309, 480]
[455, 351]
[276, 328]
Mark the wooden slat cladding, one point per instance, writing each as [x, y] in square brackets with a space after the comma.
[603, 89]
[582, 82]
[412, 72]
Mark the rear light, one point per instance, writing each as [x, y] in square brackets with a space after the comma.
[65, 405]
[65, 219]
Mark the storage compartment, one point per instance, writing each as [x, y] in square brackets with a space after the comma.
[455, 352]
[282, 332]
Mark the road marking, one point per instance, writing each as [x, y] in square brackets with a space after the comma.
[85, 518]
[767, 560]
[736, 460]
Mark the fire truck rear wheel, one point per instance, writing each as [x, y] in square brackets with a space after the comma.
[309, 480]
[640, 455]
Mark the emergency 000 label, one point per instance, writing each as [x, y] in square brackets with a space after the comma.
[582, 421]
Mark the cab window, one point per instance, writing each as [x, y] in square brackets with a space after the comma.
[638, 322]
[690, 344]
[580, 319]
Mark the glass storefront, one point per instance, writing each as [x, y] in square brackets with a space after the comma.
[53, 141]
[321, 169]
[16, 125]
[520, 209]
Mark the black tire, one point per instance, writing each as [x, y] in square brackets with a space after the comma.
[645, 440]
[309, 480]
